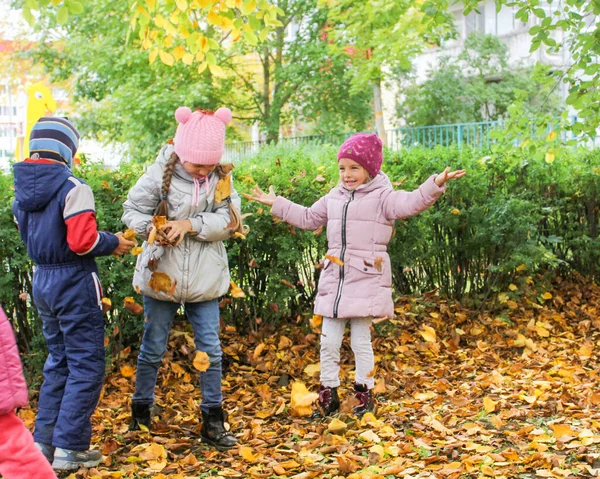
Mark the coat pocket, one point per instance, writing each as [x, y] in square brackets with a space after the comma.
[370, 266]
[98, 288]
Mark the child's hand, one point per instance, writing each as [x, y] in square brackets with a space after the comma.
[176, 231]
[448, 175]
[124, 245]
[262, 197]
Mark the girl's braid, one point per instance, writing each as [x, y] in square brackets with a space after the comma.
[163, 207]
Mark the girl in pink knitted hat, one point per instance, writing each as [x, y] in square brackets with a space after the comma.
[182, 186]
[359, 214]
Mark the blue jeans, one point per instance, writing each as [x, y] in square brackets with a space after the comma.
[205, 322]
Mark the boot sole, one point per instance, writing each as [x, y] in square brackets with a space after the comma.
[215, 445]
[61, 465]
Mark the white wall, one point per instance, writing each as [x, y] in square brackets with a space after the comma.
[510, 30]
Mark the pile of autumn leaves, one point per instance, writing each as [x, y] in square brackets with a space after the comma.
[511, 390]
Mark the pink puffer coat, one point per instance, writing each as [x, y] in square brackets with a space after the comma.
[13, 390]
[359, 227]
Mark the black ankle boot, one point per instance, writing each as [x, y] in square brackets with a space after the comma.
[329, 401]
[365, 398]
[140, 416]
[213, 430]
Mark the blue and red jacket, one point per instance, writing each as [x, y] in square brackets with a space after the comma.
[56, 214]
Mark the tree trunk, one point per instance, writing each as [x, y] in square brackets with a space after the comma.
[378, 110]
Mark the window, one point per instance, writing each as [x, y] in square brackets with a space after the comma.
[475, 22]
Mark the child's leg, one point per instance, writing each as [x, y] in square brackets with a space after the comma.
[72, 293]
[363, 350]
[160, 315]
[205, 321]
[55, 376]
[19, 457]
[84, 345]
[332, 334]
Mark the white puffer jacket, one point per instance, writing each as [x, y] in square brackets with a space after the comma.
[199, 263]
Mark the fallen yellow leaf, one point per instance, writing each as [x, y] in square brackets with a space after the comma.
[428, 334]
[489, 404]
[201, 361]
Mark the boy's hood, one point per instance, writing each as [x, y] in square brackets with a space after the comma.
[37, 182]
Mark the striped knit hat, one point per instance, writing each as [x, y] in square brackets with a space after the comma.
[54, 138]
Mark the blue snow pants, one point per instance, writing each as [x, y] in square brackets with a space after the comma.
[68, 297]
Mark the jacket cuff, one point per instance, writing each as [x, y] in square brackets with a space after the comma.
[279, 207]
[431, 191]
[197, 224]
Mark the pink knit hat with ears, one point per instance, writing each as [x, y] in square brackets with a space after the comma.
[200, 136]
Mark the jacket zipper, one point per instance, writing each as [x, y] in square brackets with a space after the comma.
[338, 297]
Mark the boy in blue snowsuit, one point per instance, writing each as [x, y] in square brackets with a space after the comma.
[56, 215]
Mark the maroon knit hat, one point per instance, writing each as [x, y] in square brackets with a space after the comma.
[365, 149]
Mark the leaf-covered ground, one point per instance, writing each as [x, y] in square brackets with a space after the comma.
[461, 394]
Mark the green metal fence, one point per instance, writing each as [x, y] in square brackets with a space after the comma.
[460, 134]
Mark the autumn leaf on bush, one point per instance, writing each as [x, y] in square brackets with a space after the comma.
[133, 307]
[129, 234]
[301, 400]
[428, 334]
[236, 291]
[334, 260]
[160, 281]
[136, 250]
[106, 304]
[127, 371]
[201, 361]
[223, 189]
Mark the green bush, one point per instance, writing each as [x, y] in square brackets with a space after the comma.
[516, 212]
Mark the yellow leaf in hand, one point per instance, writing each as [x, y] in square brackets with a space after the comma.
[223, 189]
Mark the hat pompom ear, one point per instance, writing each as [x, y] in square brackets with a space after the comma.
[183, 114]
[223, 114]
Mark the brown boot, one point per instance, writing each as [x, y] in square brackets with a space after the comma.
[329, 401]
[365, 398]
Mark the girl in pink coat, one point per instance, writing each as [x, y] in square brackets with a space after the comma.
[359, 214]
[19, 457]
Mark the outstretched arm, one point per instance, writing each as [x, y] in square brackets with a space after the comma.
[401, 204]
[294, 214]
